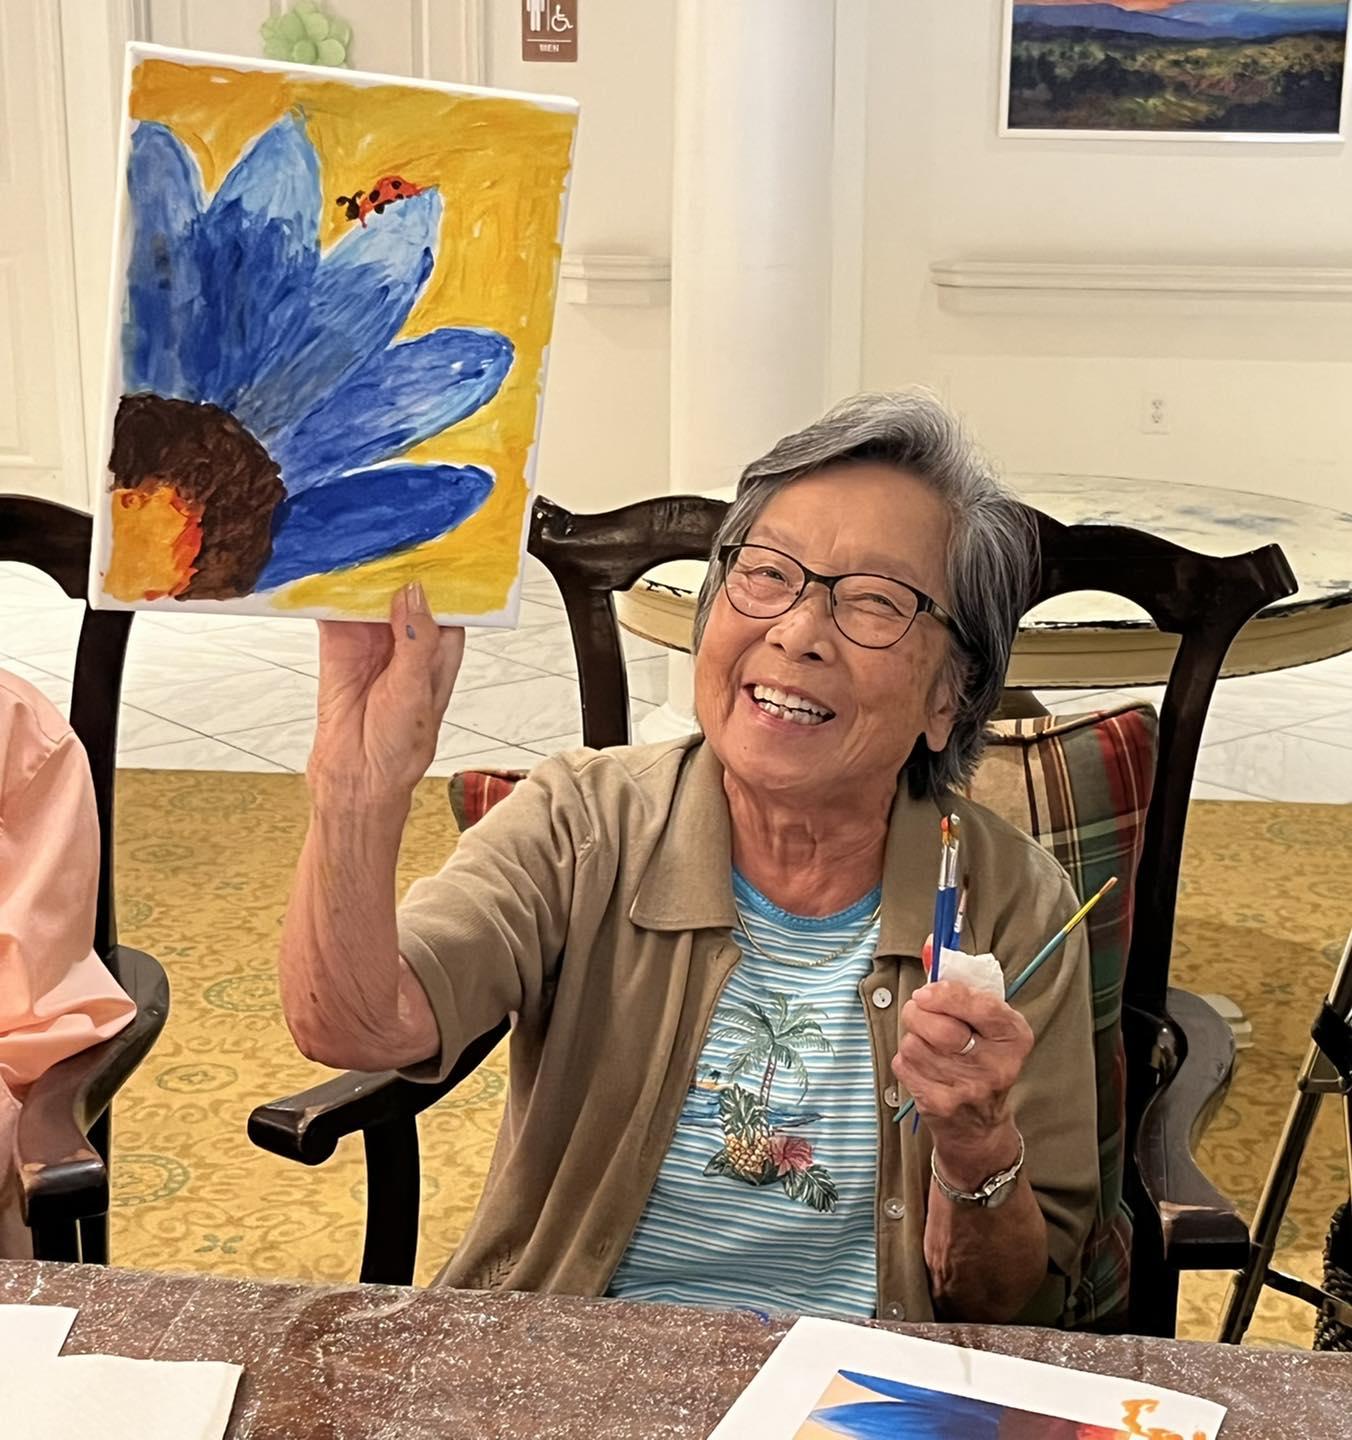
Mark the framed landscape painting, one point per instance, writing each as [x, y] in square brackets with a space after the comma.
[332, 302]
[1175, 69]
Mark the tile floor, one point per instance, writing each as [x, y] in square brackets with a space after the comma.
[238, 693]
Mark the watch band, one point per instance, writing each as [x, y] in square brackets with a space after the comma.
[992, 1192]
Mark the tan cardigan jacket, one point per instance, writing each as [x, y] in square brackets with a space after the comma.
[596, 903]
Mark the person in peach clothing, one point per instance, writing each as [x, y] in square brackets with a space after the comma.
[56, 996]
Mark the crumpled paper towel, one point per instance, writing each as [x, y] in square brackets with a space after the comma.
[981, 972]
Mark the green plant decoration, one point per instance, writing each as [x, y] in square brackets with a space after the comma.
[307, 35]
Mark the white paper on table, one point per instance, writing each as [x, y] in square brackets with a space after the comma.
[75, 1396]
[777, 1403]
[33, 1332]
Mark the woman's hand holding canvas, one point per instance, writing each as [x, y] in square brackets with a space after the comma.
[383, 690]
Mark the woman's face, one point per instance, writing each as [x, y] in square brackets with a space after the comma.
[869, 519]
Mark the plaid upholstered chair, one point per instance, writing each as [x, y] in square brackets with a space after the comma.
[1106, 794]
[64, 1128]
[1080, 785]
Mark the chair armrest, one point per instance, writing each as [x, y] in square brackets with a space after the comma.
[1202, 1229]
[307, 1127]
[61, 1176]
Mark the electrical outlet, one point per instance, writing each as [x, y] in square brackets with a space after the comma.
[1154, 413]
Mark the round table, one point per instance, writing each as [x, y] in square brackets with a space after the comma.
[1092, 640]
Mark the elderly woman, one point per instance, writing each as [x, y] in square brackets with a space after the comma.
[713, 947]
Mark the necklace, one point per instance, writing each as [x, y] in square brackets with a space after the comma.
[854, 939]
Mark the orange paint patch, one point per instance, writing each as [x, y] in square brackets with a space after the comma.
[1133, 1415]
[156, 537]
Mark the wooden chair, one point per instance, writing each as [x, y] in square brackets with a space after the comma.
[1179, 1052]
[65, 1127]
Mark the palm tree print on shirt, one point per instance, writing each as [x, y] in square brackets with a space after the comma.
[754, 1151]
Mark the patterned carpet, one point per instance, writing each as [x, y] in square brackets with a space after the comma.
[204, 863]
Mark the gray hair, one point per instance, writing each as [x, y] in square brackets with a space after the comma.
[993, 556]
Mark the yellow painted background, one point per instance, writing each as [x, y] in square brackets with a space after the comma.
[501, 166]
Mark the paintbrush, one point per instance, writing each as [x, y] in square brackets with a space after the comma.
[954, 847]
[946, 896]
[947, 908]
[1037, 962]
[959, 919]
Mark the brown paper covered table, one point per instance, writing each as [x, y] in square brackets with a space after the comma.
[387, 1364]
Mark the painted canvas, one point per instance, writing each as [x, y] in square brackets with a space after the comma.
[827, 1379]
[333, 301]
[1198, 69]
[868, 1407]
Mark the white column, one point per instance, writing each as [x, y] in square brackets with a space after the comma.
[751, 249]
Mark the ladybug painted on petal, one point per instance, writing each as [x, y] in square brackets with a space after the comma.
[385, 191]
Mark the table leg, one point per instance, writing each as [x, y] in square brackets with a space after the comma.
[1241, 1027]
[677, 716]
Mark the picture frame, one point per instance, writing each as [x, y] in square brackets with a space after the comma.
[1170, 73]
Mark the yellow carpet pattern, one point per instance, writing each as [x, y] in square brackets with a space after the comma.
[204, 863]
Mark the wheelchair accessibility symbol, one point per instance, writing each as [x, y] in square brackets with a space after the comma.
[549, 29]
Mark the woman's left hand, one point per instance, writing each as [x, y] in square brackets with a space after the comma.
[961, 1054]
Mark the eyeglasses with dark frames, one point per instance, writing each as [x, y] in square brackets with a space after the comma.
[873, 611]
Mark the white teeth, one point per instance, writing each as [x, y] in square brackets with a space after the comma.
[785, 705]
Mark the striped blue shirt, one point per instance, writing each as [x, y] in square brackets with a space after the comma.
[766, 1196]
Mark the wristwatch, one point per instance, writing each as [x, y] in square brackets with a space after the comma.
[991, 1193]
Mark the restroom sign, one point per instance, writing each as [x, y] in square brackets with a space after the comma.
[549, 30]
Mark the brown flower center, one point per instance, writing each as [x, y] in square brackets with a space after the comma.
[201, 527]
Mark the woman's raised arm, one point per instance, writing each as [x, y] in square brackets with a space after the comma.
[350, 1000]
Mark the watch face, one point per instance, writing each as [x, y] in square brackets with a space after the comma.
[993, 1193]
[1001, 1193]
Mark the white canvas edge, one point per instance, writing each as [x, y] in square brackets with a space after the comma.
[143, 49]
[504, 618]
[783, 1394]
[101, 546]
[1189, 137]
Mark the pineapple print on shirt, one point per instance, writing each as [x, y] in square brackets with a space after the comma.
[759, 1143]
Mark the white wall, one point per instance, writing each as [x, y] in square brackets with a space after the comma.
[605, 436]
[1257, 390]
[41, 441]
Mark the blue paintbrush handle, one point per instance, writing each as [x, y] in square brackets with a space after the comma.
[936, 932]
[945, 917]
[945, 913]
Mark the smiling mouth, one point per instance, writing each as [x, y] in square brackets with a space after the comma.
[787, 705]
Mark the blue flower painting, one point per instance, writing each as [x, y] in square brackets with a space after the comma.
[272, 385]
[866, 1407]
